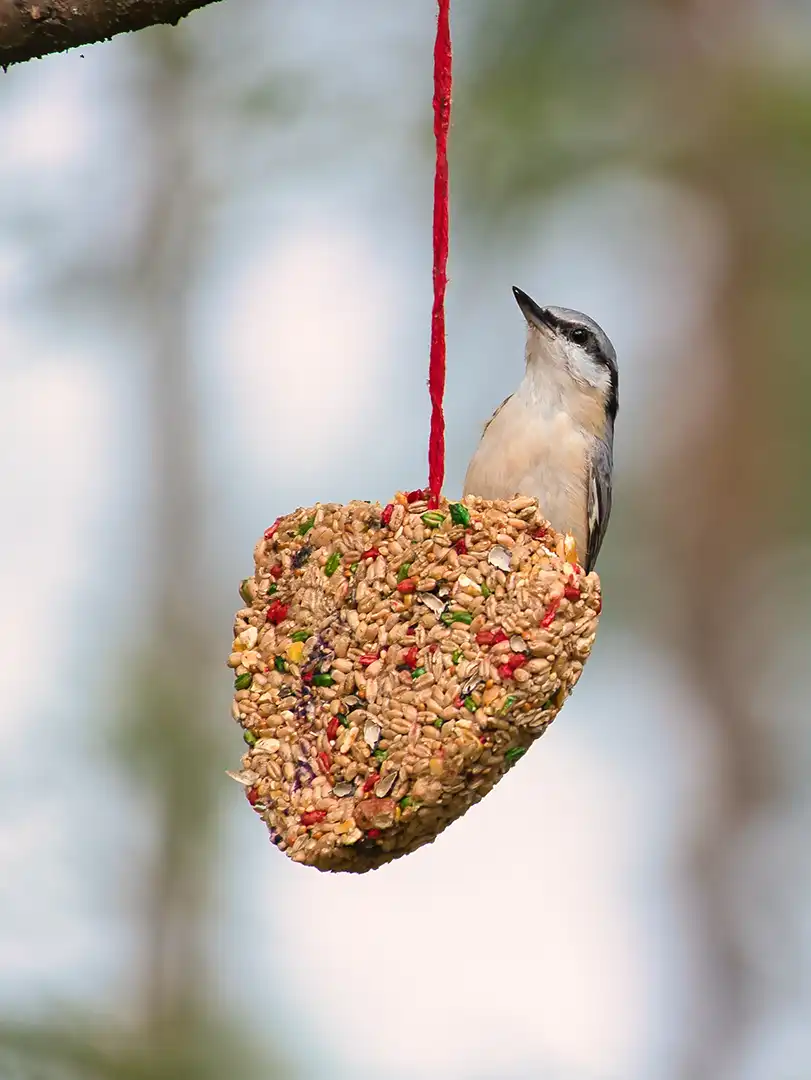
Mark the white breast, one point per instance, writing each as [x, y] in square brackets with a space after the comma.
[527, 450]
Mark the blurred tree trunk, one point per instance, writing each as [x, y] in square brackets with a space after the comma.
[35, 28]
[179, 655]
[716, 496]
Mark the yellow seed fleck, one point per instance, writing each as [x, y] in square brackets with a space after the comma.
[570, 548]
[343, 827]
[435, 766]
[295, 651]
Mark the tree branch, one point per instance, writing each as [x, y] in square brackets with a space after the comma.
[34, 28]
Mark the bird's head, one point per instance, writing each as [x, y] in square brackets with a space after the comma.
[570, 345]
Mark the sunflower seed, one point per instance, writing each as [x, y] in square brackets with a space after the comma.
[385, 784]
[371, 733]
[432, 602]
[499, 557]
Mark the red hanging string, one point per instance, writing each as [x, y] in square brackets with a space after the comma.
[436, 372]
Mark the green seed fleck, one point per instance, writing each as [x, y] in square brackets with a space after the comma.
[505, 708]
[333, 562]
[415, 674]
[343, 719]
[279, 664]
[470, 703]
[273, 588]
[301, 635]
[460, 515]
[243, 682]
[243, 590]
[514, 753]
[249, 738]
[457, 656]
[405, 802]
[353, 567]
[486, 591]
[381, 755]
[457, 616]
[305, 527]
[403, 572]
[433, 519]
[323, 679]
[438, 722]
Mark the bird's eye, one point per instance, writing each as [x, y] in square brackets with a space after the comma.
[578, 335]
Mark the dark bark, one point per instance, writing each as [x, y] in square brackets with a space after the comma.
[34, 28]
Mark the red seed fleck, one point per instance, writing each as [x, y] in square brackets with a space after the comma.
[277, 570]
[372, 553]
[312, 817]
[385, 517]
[539, 534]
[307, 676]
[433, 648]
[485, 637]
[271, 532]
[368, 658]
[460, 547]
[458, 701]
[332, 728]
[499, 636]
[482, 739]
[415, 496]
[370, 782]
[571, 592]
[433, 501]
[517, 660]
[410, 657]
[277, 612]
[407, 585]
[551, 612]
[325, 760]
[505, 671]
[252, 795]
[373, 834]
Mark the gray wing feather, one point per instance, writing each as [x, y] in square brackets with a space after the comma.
[599, 499]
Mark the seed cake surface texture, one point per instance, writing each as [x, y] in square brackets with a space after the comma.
[392, 663]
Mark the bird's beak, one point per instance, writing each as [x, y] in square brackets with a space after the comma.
[535, 315]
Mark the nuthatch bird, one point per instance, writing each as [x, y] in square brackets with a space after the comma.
[553, 439]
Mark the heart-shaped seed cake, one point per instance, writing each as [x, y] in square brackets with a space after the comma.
[392, 663]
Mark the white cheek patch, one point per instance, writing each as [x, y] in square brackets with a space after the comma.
[587, 370]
